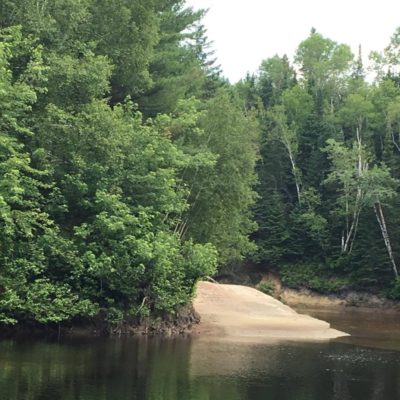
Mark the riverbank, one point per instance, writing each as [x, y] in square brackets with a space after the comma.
[231, 311]
[167, 325]
[305, 298]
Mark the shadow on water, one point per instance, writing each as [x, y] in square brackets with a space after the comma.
[161, 369]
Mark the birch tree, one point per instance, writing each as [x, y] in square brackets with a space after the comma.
[348, 167]
[287, 119]
[359, 187]
[381, 188]
[287, 135]
[393, 123]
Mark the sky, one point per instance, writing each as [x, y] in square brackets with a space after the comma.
[246, 32]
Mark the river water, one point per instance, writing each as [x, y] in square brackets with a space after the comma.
[365, 366]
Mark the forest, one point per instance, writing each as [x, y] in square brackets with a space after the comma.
[130, 168]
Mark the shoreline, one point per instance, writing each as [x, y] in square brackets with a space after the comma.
[177, 325]
[188, 322]
[305, 298]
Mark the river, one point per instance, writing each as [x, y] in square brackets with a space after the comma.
[365, 366]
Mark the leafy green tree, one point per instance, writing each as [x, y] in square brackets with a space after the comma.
[247, 93]
[355, 115]
[89, 194]
[125, 33]
[326, 141]
[349, 167]
[26, 228]
[360, 187]
[274, 77]
[221, 198]
[381, 189]
[324, 63]
[120, 183]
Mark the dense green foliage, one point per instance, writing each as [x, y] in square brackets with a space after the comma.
[106, 206]
[328, 207]
[129, 168]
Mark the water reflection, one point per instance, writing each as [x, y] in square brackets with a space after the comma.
[302, 370]
[151, 369]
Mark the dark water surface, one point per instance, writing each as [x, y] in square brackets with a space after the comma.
[364, 367]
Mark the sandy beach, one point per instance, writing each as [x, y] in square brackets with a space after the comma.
[243, 313]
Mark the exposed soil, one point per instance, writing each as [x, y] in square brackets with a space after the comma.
[304, 298]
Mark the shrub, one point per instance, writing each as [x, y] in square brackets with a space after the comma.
[394, 291]
[312, 276]
[267, 287]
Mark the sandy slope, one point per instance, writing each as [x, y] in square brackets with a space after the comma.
[240, 312]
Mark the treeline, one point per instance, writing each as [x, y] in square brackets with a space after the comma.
[130, 168]
[328, 211]
[126, 160]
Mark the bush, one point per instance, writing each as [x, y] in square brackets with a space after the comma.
[311, 276]
[267, 287]
[394, 291]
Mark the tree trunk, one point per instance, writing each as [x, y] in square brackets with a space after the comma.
[382, 224]
[294, 170]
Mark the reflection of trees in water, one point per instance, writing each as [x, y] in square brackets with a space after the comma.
[152, 369]
[300, 371]
[96, 370]
[42, 370]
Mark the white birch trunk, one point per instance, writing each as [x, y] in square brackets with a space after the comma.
[382, 224]
[294, 171]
